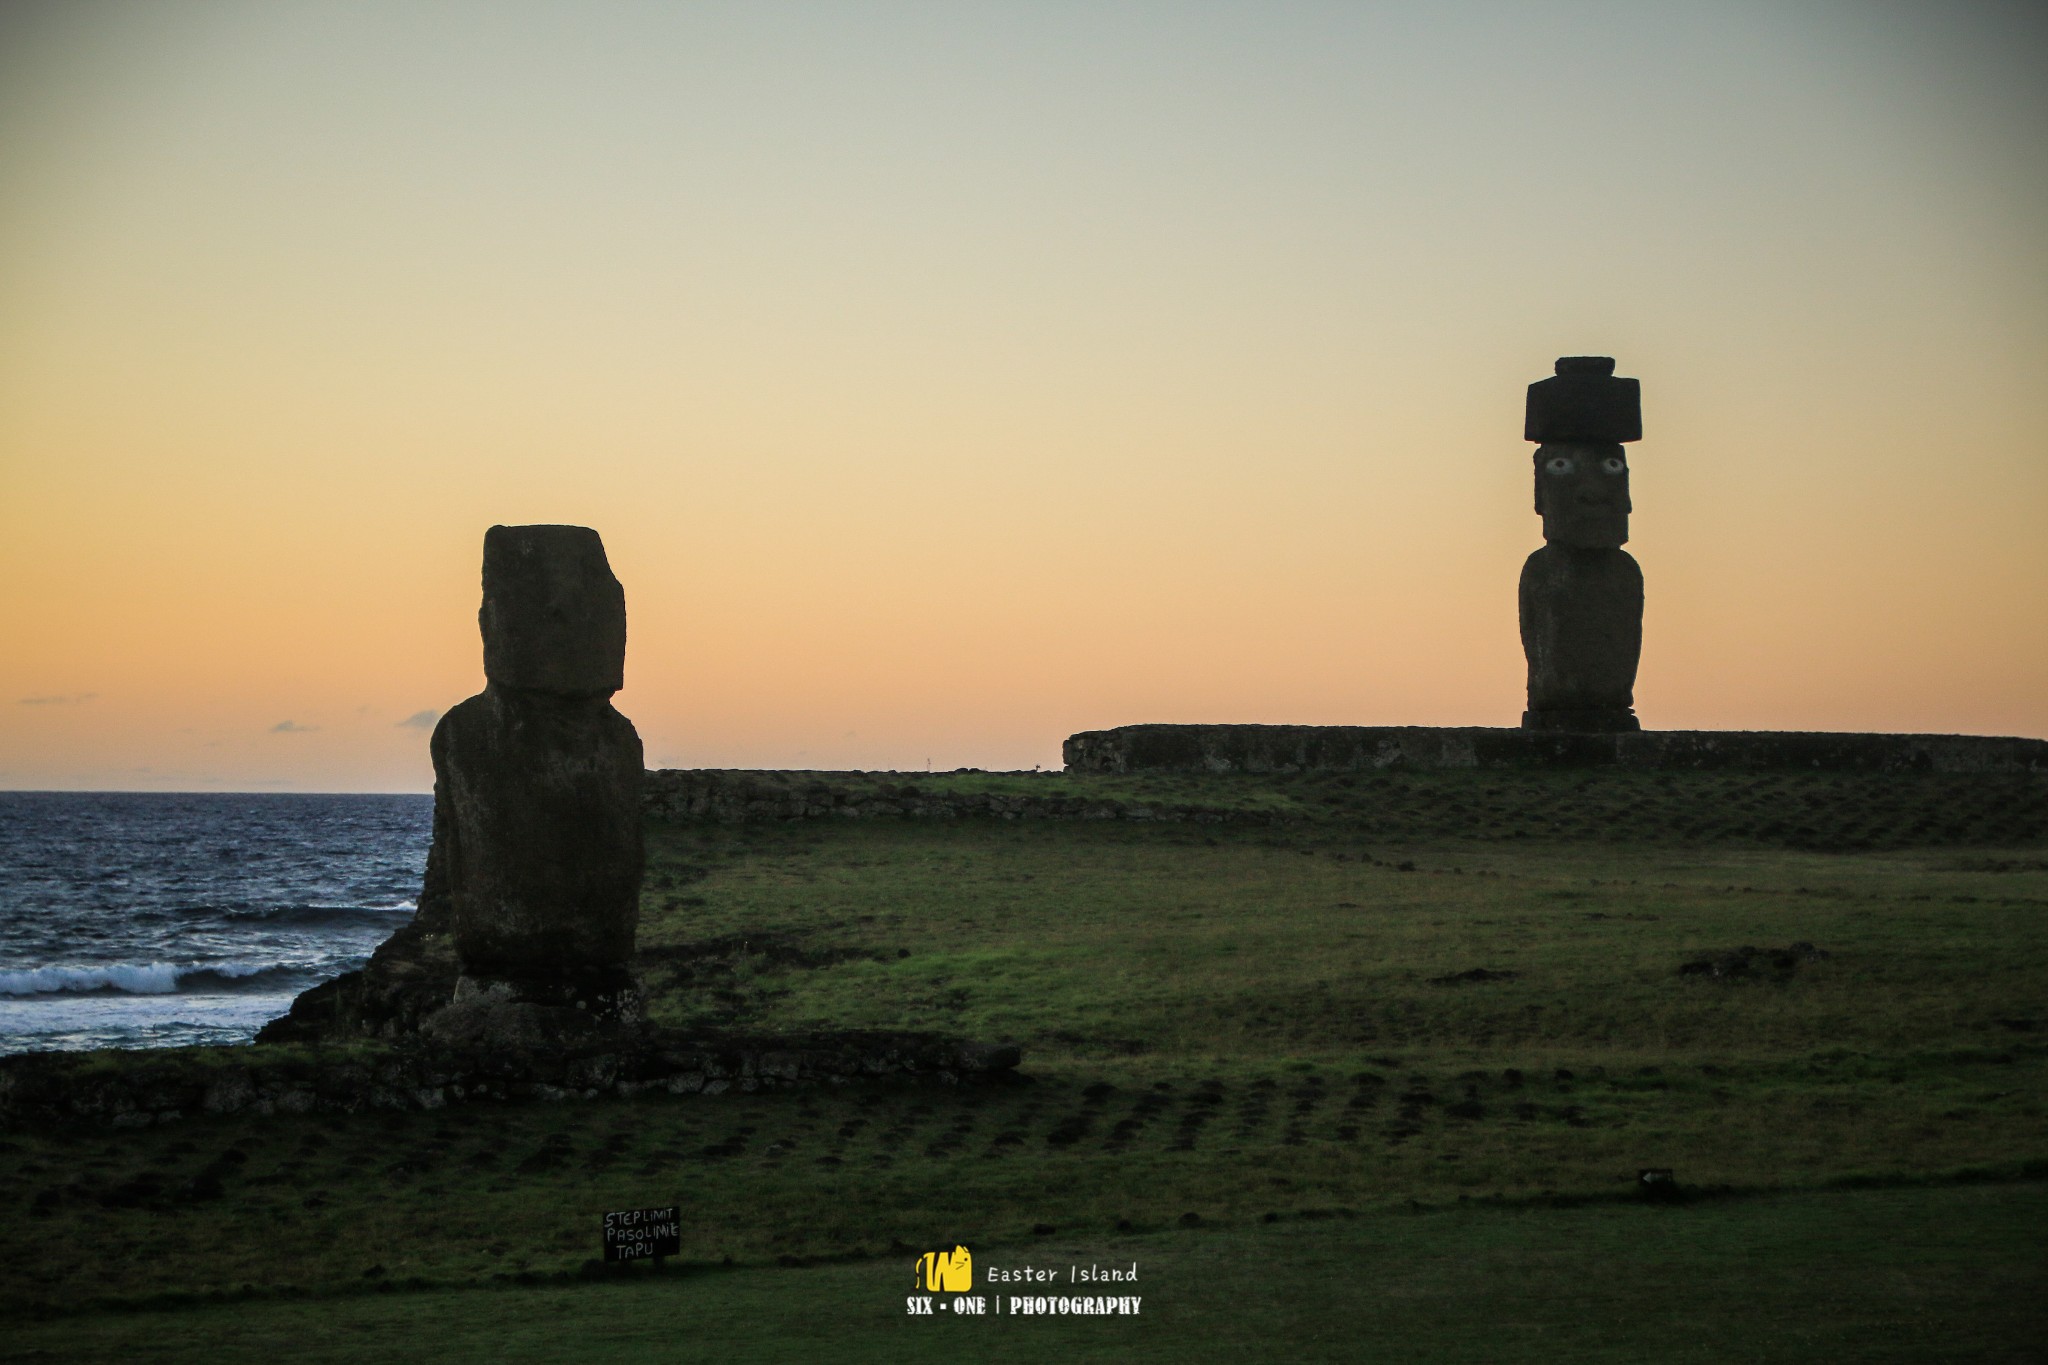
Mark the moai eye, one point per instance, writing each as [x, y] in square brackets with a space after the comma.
[1559, 464]
[1614, 464]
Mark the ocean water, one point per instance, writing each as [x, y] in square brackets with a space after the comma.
[165, 920]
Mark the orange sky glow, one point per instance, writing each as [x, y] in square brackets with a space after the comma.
[946, 379]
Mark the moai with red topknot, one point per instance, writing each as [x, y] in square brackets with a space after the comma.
[1582, 594]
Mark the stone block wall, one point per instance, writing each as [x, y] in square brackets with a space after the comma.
[94, 1090]
[1358, 748]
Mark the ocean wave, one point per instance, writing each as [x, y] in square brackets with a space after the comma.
[149, 978]
[296, 915]
[324, 914]
[241, 976]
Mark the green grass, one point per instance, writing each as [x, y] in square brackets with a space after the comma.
[1951, 1274]
[1258, 1026]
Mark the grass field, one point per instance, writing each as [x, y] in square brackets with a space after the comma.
[1948, 1274]
[1344, 1086]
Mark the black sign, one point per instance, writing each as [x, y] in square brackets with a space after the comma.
[636, 1234]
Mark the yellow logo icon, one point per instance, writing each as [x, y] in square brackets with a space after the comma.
[946, 1272]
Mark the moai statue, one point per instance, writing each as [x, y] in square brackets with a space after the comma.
[537, 801]
[1582, 594]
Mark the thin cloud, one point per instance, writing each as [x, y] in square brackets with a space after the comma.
[292, 727]
[69, 699]
[420, 720]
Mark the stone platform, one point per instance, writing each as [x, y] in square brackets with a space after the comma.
[136, 1089]
[1367, 748]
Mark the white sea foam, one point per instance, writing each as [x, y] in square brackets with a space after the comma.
[69, 1022]
[129, 978]
[230, 969]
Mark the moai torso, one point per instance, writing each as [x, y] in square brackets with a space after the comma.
[544, 796]
[1581, 595]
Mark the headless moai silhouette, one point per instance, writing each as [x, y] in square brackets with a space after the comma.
[1582, 594]
[537, 799]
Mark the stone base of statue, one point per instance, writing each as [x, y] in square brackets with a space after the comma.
[498, 1014]
[1592, 721]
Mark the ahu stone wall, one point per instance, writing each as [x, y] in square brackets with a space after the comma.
[1362, 748]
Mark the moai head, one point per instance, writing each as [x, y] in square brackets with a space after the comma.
[553, 617]
[1581, 416]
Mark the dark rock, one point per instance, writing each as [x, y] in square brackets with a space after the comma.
[410, 976]
[1476, 974]
[1658, 1185]
[536, 1015]
[553, 616]
[1582, 633]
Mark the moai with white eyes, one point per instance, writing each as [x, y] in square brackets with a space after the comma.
[1582, 594]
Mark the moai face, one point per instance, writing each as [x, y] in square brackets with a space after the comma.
[1582, 494]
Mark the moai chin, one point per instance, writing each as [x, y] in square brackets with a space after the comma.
[1582, 594]
[537, 801]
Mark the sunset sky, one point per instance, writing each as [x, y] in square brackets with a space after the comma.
[948, 377]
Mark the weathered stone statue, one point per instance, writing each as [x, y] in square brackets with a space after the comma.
[1582, 594]
[537, 801]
